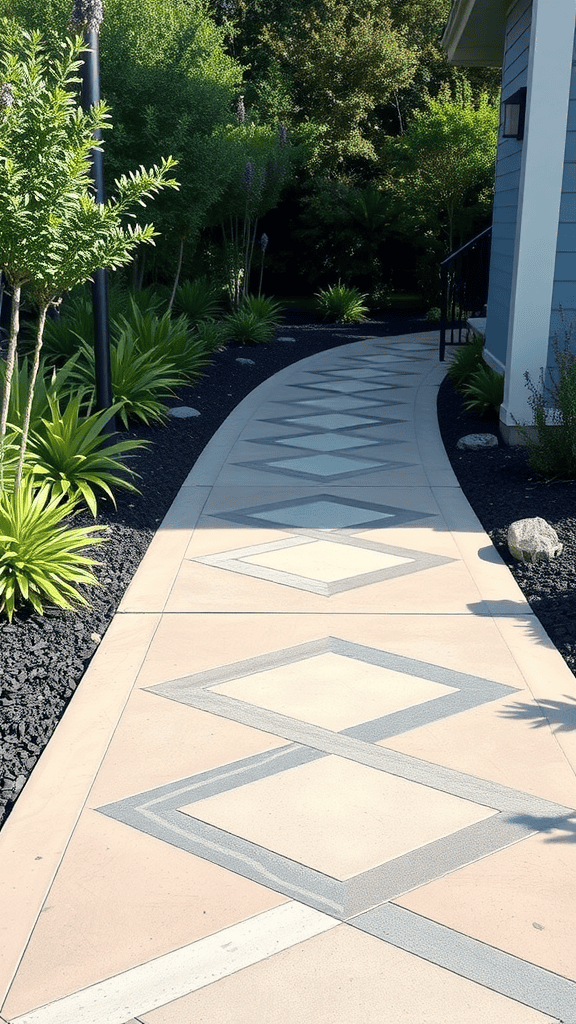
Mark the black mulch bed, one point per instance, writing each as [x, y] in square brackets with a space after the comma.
[43, 658]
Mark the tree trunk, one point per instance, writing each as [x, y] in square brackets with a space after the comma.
[11, 357]
[177, 278]
[30, 399]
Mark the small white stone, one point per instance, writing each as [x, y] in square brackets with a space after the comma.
[95, 637]
[183, 412]
[287, 339]
[477, 441]
[533, 540]
[245, 362]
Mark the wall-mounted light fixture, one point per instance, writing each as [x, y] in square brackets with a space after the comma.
[514, 115]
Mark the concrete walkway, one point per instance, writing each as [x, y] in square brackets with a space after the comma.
[320, 769]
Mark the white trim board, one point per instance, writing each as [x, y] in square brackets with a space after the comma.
[549, 76]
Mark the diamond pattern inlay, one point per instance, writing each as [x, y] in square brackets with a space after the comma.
[325, 568]
[468, 817]
[320, 512]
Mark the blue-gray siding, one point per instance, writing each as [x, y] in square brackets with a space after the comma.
[564, 292]
[514, 76]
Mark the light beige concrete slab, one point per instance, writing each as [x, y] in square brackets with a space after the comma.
[120, 899]
[35, 838]
[158, 741]
[333, 692]
[493, 578]
[186, 969]
[521, 900]
[337, 816]
[189, 643]
[446, 589]
[548, 677]
[153, 579]
[343, 977]
[493, 742]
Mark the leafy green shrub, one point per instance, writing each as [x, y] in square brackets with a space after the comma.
[72, 455]
[165, 337]
[211, 335]
[341, 305]
[140, 380]
[552, 442]
[198, 300]
[246, 328]
[50, 383]
[484, 392]
[468, 359]
[268, 310]
[40, 559]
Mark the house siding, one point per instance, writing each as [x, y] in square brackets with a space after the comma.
[507, 182]
[564, 291]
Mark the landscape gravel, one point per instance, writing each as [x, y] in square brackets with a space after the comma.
[43, 658]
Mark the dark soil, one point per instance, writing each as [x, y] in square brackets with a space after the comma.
[43, 658]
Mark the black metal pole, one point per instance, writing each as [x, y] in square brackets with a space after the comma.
[89, 15]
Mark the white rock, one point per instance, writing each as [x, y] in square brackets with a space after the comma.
[95, 637]
[183, 412]
[533, 540]
[477, 441]
[246, 362]
[287, 339]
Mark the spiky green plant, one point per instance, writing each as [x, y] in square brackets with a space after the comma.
[467, 360]
[198, 300]
[40, 553]
[341, 304]
[163, 336]
[268, 310]
[246, 328]
[72, 455]
[141, 381]
[484, 392]
[211, 335]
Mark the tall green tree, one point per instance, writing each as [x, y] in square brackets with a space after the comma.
[170, 86]
[53, 232]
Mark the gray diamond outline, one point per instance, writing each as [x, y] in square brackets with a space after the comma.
[370, 420]
[266, 466]
[245, 516]
[232, 561]
[370, 442]
[156, 811]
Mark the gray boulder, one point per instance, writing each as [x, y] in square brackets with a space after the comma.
[533, 540]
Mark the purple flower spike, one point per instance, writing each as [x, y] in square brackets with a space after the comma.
[282, 135]
[249, 174]
[88, 14]
[264, 242]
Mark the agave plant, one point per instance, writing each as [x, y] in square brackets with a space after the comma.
[341, 304]
[72, 455]
[40, 554]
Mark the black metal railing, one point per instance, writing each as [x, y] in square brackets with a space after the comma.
[464, 276]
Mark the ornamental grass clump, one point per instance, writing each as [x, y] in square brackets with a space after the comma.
[467, 360]
[551, 442]
[341, 305]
